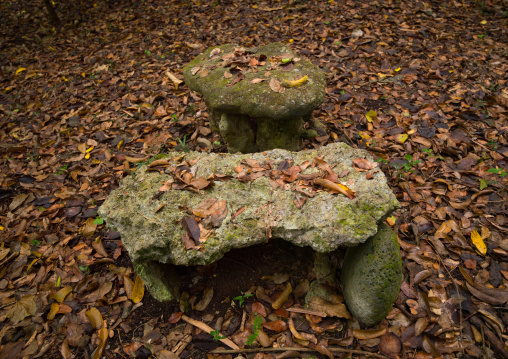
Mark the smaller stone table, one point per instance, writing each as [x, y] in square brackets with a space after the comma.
[252, 97]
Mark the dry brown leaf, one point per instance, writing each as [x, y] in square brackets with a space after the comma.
[368, 333]
[23, 308]
[277, 303]
[95, 317]
[276, 85]
[55, 307]
[207, 298]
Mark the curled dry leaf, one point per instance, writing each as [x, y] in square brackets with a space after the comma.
[61, 294]
[176, 80]
[363, 165]
[282, 297]
[55, 307]
[207, 298]
[95, 317]
[257, 80]
[368, 333]
[192, 228]
[337, 187]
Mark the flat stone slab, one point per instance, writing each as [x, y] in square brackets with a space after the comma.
[250, 86]
[152, 221]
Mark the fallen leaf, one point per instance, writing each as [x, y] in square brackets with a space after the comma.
[23, 308]
[371, 115]
[95, 317]
[276, 85]
[61, 294]
[363, 165]
[336, 187]
[138, 291]
[331, 309]
[478, 242]
[257, 80]
[176, 80]
[207, 297]
[368, 333]
[192, 228]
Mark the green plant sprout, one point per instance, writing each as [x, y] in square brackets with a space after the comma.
[382, 160]
[35, 243]
[98, 220]
[183, 143]
[216, 143]
[501, 172]
[216, 335]
[62, 169]
[256, 326]
[241, 298]
[430, 153]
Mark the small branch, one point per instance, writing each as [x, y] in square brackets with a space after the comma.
[208, 329]
[293, 349]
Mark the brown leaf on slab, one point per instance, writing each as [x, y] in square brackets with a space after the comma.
[237, 213]
[363, 165]
[159, 162]
[276, 85]
[257, 80]
[228, 74]
[337, 187]
[192, 228]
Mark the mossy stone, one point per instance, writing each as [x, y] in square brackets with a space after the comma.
[372, 275]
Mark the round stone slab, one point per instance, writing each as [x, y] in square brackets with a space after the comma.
[235, 80]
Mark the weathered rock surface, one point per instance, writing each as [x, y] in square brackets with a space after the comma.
[153, 234]
[371, 276]
[224, 75]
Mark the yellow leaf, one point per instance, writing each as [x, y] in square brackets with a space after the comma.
[138, 291]
[55, 307]
[295, 83]
[21, 69]
[478, 242]
[381, 76]
[120, 144]
[397, 69]
[483, 22]
[83, 74]
[87, 156]
[52, 48]
[61, 294]
[95, 317]
[1, 228]
[390, 220]
[410, 132]
[291, 41]
[90, 149]
[402, 138]
[364, 135]
[371, 115]
[64, 78]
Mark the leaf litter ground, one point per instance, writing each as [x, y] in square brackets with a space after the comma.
[421, 85]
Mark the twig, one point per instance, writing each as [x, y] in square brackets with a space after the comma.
[208, 329]
[293, 349]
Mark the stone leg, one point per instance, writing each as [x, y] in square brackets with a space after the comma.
[238, 133]
[273, 133]
[324, 284]
[160, 279]
[371, 276]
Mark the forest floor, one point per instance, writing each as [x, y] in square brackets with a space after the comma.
[422, 85]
